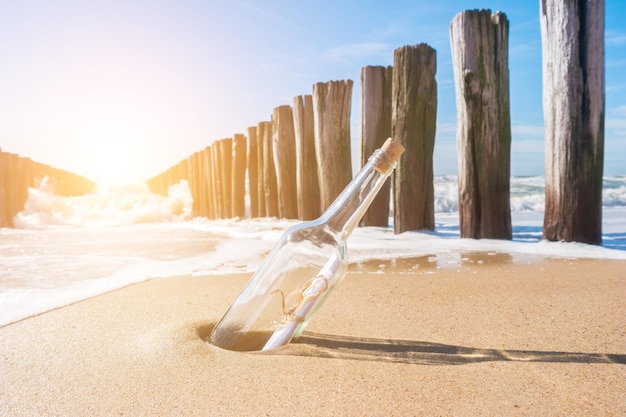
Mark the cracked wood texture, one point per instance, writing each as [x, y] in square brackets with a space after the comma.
[309, 207]
[414, 112]
[252, 167]
[238, 175]
[270, 188]
[285, 161]
[572, 34]
[479, 42]
[375, 129]
[331, 114]
[260, 159]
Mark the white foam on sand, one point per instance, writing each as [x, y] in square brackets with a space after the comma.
[72, 248]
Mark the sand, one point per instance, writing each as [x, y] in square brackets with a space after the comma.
[488, 337]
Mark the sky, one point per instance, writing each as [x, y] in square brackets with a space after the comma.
[119, 91]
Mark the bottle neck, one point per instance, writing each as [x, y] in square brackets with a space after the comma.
[345, 213]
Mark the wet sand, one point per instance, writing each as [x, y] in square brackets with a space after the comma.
[491, 336]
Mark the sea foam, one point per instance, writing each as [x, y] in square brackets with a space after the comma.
[69, 248]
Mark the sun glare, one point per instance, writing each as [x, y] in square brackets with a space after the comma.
[114, 155]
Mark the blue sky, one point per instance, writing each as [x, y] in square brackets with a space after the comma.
[122, 90]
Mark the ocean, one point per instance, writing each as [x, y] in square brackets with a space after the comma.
[65, 249]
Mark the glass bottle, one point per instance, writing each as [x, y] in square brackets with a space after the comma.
[307, 262]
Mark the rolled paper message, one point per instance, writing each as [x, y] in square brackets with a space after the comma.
[309, 295]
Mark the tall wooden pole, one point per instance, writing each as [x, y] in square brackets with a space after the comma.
[238, 174]
[331, 103]
[284, 148]
[193, 183]
[253, 177]
[269, 172]
[309, 206]
[375, 129]
[414, 112]
[226, 159]
[479, 41]
[210, 172]
[260, 169]
[218, 188]
[572, 35]
[6, 215]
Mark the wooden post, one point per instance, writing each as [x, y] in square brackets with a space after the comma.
[218, 188]
[211, 190]
[253, 178]
[308, 185]
[202, 183]
[479, 42]
[22, 180]
[284, 148]
[375, 129]
[269, 172]
[239, 176]
[205, 169]
[414, 112]
[260, 169]
[8, 181]
[226, 159]
[6, 217]
[331, 104]
[193, 182]
[572, 35]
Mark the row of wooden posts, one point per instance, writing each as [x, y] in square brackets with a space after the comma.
[298, 162]
[18, 174]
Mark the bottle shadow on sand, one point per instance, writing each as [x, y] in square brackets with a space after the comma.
[322, 345]
[427, 353]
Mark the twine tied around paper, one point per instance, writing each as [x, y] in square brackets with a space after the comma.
[301, 299]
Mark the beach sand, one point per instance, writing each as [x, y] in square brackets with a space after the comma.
[488, 337]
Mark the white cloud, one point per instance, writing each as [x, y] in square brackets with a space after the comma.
[527, 146]
[619, 111]
[615, 63]
[352, 51]
[615, 38]
[527, 131]
[615, 87]
[446, 128]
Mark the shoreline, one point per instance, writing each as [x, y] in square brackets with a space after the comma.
[490, 338]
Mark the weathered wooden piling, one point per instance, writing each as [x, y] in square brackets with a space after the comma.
[284, 148]
[6, 217]
[572, 35]
[218, 180]
[226, 162]
[479, 42]
[331, 103]
[269, 172]
[199, 186]
[375, 129]
[252, 163]
[309, 206]
[193, 182]
[210, 173]
[414, 109]
[203, 183]
[260, 169]
[239, 175]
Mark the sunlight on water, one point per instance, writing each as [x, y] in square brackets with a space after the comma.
[106, 206]
[68, 248]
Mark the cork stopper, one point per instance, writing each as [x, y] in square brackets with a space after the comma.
[388, 155]
[392, 150]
